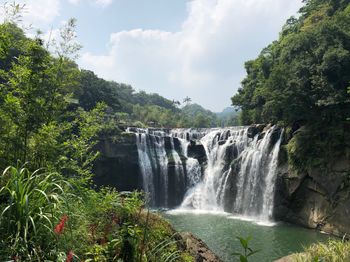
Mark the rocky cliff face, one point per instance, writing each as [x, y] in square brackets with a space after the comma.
[317, 198]
[118, 165]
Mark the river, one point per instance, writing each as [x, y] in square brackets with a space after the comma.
[219, 232]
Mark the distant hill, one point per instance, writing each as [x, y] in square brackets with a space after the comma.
[228, 117]
[201, 116]
[228, 111]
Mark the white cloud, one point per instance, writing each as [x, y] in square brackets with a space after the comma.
[41, 12]
[74, 2]
[104, 3]
[101, 3]
[204, 59]
[37, 13]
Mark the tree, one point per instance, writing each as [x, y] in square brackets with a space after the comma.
[187, 100]
[303, 74]
[94, 90]
[176, 103]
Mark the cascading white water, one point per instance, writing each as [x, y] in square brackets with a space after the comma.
[163, 165]
[239, 172]
[153, 160]
[193, 168]
[194, 172]
[206, 195]
[270, 181]
[256, 178]
[145, 166]
[179, 170]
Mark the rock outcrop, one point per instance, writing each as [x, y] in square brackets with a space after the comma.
[318, 198]
[117, 165]
[197, 248]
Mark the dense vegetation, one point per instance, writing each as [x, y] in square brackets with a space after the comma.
[303, 79]
[131, 108]
[302, 82]
[333, 250]
[51, 115]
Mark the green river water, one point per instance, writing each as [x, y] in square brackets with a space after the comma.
[219, 232]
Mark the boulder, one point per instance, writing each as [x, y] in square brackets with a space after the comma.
[252, 131]
[196, 150]
[198, 249]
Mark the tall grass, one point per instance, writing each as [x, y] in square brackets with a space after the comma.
[332, 251]
[44, 218]
[30, 202]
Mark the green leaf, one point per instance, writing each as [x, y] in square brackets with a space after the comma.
[253, 252]
[243, 259]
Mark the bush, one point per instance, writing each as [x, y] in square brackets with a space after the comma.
[333, 251]
[43, 217]
[30, 204]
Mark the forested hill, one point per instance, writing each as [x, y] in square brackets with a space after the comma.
[303, 79]
[304, 76]
[142, 109]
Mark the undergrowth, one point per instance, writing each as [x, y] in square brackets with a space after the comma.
[332, 251]
[43, 217]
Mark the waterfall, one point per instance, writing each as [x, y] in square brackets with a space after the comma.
[270, 181]
[236, 171]
[256, 177]
[163, 167]
[179, 170]
[153, 163]
[193, 168]
[145, 166]
[217, 144]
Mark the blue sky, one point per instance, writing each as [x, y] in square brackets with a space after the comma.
[176, 48]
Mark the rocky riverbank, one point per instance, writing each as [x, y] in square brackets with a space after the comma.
[197, 248]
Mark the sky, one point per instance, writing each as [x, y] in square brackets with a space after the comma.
[175, 48]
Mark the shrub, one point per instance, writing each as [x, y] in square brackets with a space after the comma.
[332, 251]
[30, 204]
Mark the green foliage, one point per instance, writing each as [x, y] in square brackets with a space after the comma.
[94, 90]
[228, 117]
[127, 107]
[43, 217]
[199, 117]
[302, 80]
[51, 115]
[30, 203]
[243, 257]
[303, 74]
[334, 250]
[39, 122]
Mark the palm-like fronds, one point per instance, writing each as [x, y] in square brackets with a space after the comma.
[30, 202]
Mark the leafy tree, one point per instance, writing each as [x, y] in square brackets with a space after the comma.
[94, 90]
[187, 100]
[302, 79]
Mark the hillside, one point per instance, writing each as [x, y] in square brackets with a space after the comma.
[303, 79]
[228, 117]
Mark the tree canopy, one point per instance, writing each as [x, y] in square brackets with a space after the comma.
[305, 75]
[303, 79]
